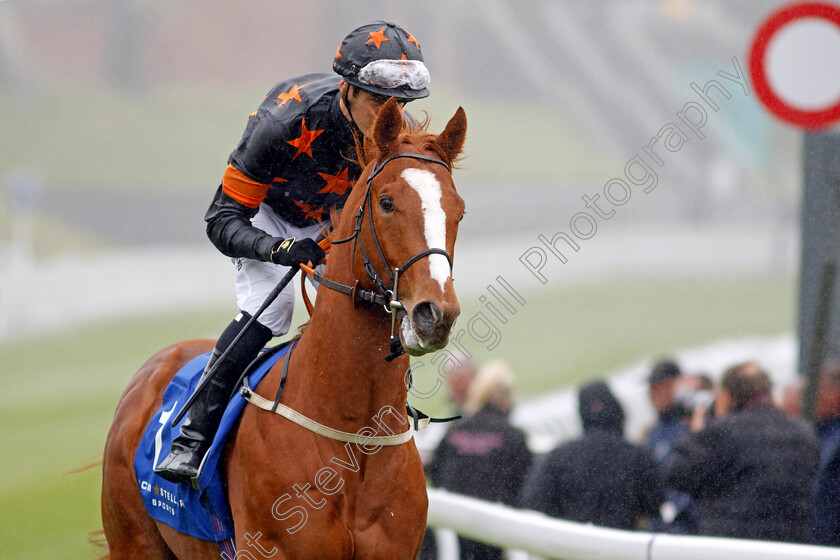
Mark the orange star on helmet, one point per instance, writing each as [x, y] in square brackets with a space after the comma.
[411, 39]
[377, 37]
[303, 143]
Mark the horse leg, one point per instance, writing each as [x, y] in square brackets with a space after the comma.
[131, 533]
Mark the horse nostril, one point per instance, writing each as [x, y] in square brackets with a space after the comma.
[426, 316]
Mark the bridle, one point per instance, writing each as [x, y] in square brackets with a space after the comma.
[383, 296]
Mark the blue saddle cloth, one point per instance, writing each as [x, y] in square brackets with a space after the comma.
[202, 513]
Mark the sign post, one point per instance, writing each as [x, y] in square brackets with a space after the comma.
[795, 68]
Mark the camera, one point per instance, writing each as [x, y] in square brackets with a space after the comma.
[686, 400]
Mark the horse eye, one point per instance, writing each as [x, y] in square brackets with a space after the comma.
[386, 204]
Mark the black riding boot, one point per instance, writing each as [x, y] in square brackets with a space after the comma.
[190, 446]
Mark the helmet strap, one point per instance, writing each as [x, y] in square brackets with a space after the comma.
[347, 105]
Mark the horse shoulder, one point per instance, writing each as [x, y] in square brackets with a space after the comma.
[392, 505]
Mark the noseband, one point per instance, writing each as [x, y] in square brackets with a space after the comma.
[387, 297]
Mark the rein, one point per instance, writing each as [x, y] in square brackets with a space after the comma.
[383, 296]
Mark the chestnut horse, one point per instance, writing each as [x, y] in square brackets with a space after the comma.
[371, 502]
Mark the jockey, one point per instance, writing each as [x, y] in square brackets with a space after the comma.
[295, 162]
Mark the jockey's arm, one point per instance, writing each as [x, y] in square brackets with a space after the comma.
[229, 225]
[229, 229]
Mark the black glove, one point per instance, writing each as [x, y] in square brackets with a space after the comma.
[288, 252]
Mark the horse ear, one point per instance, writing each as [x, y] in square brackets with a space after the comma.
[453, 136]
[387, 126]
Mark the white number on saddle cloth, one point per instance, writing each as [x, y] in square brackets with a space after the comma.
[164, 419]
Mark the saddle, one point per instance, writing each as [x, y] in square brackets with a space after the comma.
[204, 512]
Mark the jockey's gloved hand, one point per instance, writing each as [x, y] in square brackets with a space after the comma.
[288, 252]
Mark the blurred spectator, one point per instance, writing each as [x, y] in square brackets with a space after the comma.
[600, 478]
[677, 514]
[790, 401]
[459, 383]
[826, 529]
[751, 469]
[483, 455]
[671, 424]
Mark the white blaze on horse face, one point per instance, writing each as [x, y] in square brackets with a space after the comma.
[428, 187]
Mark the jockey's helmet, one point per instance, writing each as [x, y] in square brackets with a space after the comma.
[384, 59]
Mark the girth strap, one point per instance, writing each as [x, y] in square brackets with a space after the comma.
[326, 431]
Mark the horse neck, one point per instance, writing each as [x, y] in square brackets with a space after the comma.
[339, 361]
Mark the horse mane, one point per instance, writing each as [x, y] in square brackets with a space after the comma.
[414, 134]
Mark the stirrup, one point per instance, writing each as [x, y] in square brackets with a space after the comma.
[194, 480]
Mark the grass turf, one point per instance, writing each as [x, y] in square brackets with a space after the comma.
[60, 393]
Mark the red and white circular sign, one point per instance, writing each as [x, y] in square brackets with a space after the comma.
[795, 64]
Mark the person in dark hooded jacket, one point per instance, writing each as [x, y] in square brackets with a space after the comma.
[600, 478]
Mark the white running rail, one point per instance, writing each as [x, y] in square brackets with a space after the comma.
[538, 534]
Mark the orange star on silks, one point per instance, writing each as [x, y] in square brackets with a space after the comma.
[338, 52]
[337, 183]
[377, 37]
[411, 39]
[403, 57]
[293, 93]
[303, 143]
[312, 211]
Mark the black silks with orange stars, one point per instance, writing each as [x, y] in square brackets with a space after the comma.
[298, 149]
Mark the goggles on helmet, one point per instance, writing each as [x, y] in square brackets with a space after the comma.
[390, 74]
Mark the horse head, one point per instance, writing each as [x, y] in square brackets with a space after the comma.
[409, 214]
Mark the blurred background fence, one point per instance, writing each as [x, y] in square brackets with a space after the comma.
[119, 116]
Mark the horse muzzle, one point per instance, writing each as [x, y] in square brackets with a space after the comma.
[425, 327]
